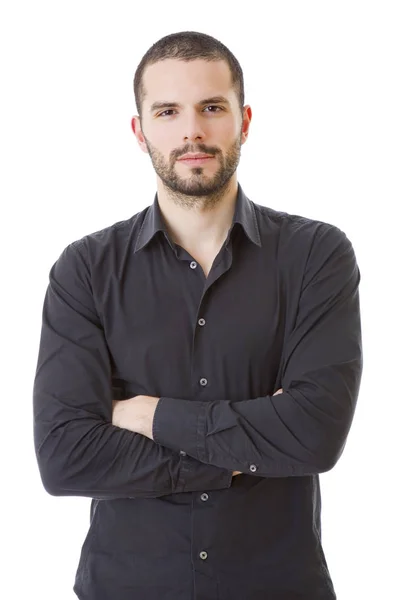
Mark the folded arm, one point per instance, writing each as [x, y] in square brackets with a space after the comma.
[303, 430]
[79, 451]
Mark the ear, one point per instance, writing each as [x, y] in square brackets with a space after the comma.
[247, 114]
[137, 130]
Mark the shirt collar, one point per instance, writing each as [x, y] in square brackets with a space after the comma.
[244, 215]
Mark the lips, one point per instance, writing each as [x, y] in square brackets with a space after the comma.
[196, 160]
[195, 156]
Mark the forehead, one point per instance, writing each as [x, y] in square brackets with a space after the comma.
[179, 80]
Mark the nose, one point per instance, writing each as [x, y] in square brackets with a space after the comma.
[193, 128]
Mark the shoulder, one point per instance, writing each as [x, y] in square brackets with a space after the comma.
[109, 244]
[298, 231]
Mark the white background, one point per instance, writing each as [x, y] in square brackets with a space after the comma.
[322, 79]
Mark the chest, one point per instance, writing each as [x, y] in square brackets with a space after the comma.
[174, 327]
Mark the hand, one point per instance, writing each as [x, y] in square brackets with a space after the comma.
[118, 412]
[135, 414]
[240, 472]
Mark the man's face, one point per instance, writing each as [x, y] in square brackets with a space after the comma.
[199, 114]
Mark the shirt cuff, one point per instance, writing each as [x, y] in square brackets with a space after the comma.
[180, 424]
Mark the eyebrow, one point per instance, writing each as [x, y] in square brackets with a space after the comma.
[213, 100]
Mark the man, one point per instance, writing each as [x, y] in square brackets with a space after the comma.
[199, 363]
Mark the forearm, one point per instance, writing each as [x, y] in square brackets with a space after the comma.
[137, 415]
[98, 460]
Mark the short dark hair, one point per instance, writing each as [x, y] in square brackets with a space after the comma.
[187, 46]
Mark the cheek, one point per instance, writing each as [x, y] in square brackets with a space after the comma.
[227, 132]
[160, 138]
[164, 142]
[164, 138]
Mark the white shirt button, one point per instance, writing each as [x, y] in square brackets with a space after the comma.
[253, 468]
[203, 381]
[201, 322]
[203, 555]
[204, 497]
[193, 264]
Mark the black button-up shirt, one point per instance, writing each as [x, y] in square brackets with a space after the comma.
[128, 312]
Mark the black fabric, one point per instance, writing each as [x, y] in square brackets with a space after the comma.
[121, 318]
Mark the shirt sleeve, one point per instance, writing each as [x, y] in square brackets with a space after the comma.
[78, 449]
[303, 430]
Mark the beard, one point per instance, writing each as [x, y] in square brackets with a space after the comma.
[197, 187]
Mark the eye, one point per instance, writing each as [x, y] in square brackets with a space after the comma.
[165, 111]
[213, 106]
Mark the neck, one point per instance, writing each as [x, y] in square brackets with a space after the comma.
[198, 222]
